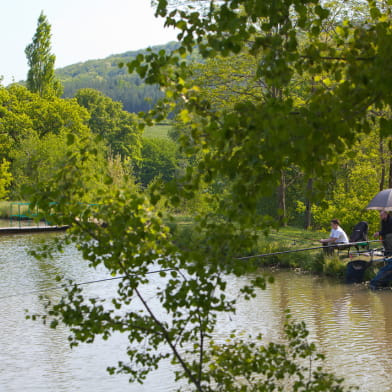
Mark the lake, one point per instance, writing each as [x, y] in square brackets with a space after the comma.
[349, 323]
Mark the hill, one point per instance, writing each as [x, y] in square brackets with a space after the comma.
[106, 76]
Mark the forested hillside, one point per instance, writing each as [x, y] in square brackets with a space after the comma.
[106, 76]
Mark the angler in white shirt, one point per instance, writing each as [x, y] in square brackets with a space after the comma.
[337, 236]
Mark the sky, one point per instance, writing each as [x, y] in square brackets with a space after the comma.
[81, 30]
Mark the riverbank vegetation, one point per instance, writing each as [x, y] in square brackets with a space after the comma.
[286, 121]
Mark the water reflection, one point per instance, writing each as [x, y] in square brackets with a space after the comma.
[350, 324]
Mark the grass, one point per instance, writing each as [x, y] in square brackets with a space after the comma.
[158, 131]
[334, 266]
[292, 239]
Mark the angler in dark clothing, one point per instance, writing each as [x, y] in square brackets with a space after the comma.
[386, 232]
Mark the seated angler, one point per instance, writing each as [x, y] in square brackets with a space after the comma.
[337, 236]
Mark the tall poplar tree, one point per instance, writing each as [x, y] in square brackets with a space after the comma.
[40, 77]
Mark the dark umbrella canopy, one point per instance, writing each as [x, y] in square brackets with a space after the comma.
[382, 201]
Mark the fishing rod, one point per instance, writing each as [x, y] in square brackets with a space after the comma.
[384, 259]
[342, 246]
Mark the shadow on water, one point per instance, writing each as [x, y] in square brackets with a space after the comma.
[349, 323]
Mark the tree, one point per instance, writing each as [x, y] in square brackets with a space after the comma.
[159, 159]
[226, 82]
[117, 127]
[15, 123]
[33, 133]
[249, 144]
[36, 159]
[354, 184]
[24, 112]
[40, 77]
[5, 178]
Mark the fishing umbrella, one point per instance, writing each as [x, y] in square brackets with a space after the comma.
[382, 201]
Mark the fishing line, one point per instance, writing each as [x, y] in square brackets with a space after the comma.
[79, 284]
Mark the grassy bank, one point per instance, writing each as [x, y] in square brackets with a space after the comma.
[290, 247]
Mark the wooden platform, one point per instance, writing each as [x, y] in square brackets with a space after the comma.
[30, 229]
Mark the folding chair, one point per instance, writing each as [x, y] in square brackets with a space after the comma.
[358, 238]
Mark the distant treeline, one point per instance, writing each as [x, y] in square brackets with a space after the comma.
[106, 76]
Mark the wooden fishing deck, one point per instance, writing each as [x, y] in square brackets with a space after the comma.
[30, 229]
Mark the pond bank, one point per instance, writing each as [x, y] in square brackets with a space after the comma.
[289, 248]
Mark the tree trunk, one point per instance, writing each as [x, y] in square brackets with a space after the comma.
[382, 160]
[308, 211]
[282, 200]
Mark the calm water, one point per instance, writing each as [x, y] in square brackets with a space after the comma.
[350, 324]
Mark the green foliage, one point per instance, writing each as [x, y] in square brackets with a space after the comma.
[9, 208]
[5, 178]
[34, 133]
[333, 266]
[356, 183]
[227, 81]
[120, 171]
[41, 78]
[308, 129]
[24, 113]
[15, 123]
[107, 119]
[249, 142]
[36, 159]
[159, 160]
